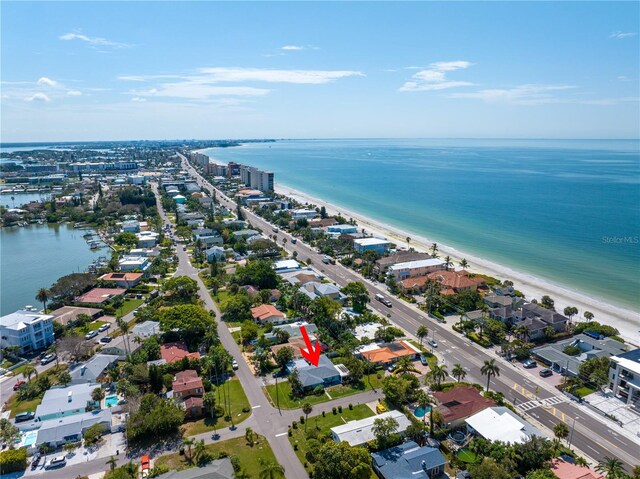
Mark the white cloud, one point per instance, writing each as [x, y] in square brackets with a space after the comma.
[624, 78]
[197, 91]
[292, 48]
[619, 35]
[39, 97]
[435, 77]
[74, 93]
[94, 41]
[44, 81]
[138, 99]
[234, 74]
[530, 94]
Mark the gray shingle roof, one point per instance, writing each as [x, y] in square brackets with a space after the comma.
[407, 461]
[218, 469]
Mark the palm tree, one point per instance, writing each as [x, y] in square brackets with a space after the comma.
[112, 463]
[405, 365]
[437, 374]
[64, 378]
[422, 333]
[43, 297]
[458, 372]
[588, 315]
[306, 409]
[490, 368]
[522, 332]
[561, 430]
[434, 250]
[270, 470]
[464, 263]
[27, 371]
[423, 401]
[199, 450]
[188, 442]
[124, 329]
[611, 467]
[582, 462]
[447, 262]
[408, 241]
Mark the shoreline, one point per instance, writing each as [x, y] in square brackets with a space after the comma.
[625, 320]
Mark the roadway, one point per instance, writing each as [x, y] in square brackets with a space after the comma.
[545, 405]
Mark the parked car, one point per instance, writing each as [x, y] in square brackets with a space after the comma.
[529, 364]
[106, 339]
[433, 343]
[234, 364]
[59, 461]
[35, 461]
[104, 327]
[423, 360]
[19, 383]
[25, 416]
[91, 335]
[545, 373]
[48, 358]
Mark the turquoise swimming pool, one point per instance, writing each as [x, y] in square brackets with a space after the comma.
[111, 400]
[29, 438]
[420, 413]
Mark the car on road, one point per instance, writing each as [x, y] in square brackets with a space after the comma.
[384, 300]
[91, 335]
[294, 241]
[234, 364]
[18, 384]
[25, 416]
[48, 358]
[104, 327]
[545, 373]
[275, 230]
[433, 343]
[59, 461]
[145, 465]
[326, 260]
[529, 364]
[106, 339]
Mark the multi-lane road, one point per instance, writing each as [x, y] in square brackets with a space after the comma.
[543, 404]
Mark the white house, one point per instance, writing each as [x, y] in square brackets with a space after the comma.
[27, 328]
[302, 213]
[132, 263]
[411, 269]
[624, 376]
[147, 239]
[361, 431]
[371, 244]
[501, 424]
[286, 265]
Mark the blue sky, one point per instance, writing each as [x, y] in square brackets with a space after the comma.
[145, 70]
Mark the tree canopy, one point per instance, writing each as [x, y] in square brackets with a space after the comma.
[182, 288]
[190, 321]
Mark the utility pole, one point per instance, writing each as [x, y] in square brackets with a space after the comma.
[278, 396]
[573, 427]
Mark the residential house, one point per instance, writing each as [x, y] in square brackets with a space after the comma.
[133, 263]
[123, 280]
[501, 424]
[361, 431]
[56, 432]
[386, 353]
[218, 469]
[553, 319]
[555, 357]
[94, 370]
[100, 295]
[459, 403]
[146, 329]
[26, 328]
[315, 290]
[172, 352]
[453, 282]
[208, 237]
[322, 222]
[325, 374]
[413, 269]
[186, 384]
[303, 214]
[376, 245]
[193, 406]
[147, 239]
[66, 401]
[624, 376]
[286, 266]
[408, 461]
[535, 328]
[69, 314]
[296, 344]
[300, 278]
[293, 329]
[267, 313]
[130, 226]
[383, 264]
[121, 346]
[366, 330]
[567, 470]
[245, 234]
[216, 252]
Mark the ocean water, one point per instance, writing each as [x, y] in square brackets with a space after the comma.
[565, 211]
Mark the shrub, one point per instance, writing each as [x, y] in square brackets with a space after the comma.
[323, 414]
[340, 409]
[290, 433]
[295, 447]
[294, 424]
[301, 419]
[246, 409]
[334, 410]
[13, 460]
[350, 407]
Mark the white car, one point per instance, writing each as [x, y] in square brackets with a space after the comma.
[59, 461]
[433, 343]
[91, 335]
[104, 327]
[234, 364]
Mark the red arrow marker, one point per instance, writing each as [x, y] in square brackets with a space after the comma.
[311, 354]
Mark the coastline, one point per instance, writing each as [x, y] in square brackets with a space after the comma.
[625, 320]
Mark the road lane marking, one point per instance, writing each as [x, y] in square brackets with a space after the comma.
[256, 407]
[282, 434]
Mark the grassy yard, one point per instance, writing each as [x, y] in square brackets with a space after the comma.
[221, 297]
[16, 406]
[318, 426]
[249, 456]
[129, 305]
[289, 402]
[238, 400]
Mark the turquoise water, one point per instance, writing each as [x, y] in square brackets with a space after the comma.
[29, 438]
[420, 412]
[567, 211]
[111, 400]
[35, 256]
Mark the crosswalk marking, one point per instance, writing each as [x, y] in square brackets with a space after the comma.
[526, 406]
[552, 400]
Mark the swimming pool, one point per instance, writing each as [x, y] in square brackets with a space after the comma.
[420, 413]
[29, 439]
[111, 400]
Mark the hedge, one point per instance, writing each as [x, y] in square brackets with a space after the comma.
[13, 460]
[481, 341]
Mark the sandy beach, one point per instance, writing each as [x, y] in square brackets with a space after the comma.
[625, 320]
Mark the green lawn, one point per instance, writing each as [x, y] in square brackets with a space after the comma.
[16, 406]
[465, 455]
[129, 305]
[582, 392]
[318, 426]
[221, 297]
[237, 399]
[249, 456]
[288, 402]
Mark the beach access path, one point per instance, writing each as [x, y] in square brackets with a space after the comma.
[544, 405]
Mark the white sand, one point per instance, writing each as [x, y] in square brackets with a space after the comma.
[625, 320]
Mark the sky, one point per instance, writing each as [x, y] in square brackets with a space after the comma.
[80, 71]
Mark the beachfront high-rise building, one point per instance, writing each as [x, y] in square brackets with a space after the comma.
[256, 179]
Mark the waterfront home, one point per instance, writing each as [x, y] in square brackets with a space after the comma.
[531, 310]
[412, 269]
[147, 239]
[66, 401]
[497, 301]
[94, 370]
[556, 358]
[377, 245]
[186, 384]
[69, 314]
[123, 280]
[133, 263]
[535, 326]
[460, 403]
[624, 376]
[501, 424]
[383, 264]
[386, 353]
[361, 431]
[325, 374]
[453, 282]
[100, 295]
[144, 252]
[568, 470]
[146, 329]
[172, 352]
[130, 226]
[322, 222]
[408, 460]
[57, 432]
[267, 313]
[26, 328]
[315, 289]
[303, 214]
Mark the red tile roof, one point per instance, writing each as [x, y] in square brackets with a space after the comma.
[264, 311]
[456, 279]
[566, 470]
[461, 402]
[100, 295]
[193, 401]
[389, 352]
[121, 276]
[186, 381]
[172, 352]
